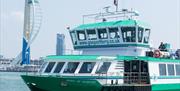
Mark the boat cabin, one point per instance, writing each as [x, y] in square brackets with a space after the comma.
[123, 37]
[111, 69]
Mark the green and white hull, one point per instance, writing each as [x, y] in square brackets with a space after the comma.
[48, 83]
[115, 79]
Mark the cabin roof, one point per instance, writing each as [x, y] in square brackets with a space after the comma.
[112, 24]
[72, 57]
[98, 57]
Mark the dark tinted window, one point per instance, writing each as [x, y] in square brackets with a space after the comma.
[81, 35]
[146, 35]
[102, 34]
[71, 67]
[162, 69]
[59, 67]
[114, 33]
[177, 70]
[128, 34]
[87, 67]
[140, 34]
[49, 67]
[91, 35]
[171, 69]
[103, 67]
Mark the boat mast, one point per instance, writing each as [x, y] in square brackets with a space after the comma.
[116, 4]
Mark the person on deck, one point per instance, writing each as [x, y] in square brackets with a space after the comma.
[162, 47]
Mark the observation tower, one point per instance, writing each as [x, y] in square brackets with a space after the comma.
[32, 24]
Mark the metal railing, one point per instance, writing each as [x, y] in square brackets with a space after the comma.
[71, 52]
[136, 78]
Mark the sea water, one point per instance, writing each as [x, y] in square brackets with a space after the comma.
[11, 81]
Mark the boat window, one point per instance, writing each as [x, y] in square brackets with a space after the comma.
[102, 34]
[129, 34]
[146, 35]
[103, 67]
[43, 66]
[59, 67]
[178, 69]
[140, 34]
[73, 37]
[114, 33]
[71, 67]
[87, 67]
[91, 34]
[162, 69]
[171, 69]
[81, 35]
[144, 66]
[49, 67]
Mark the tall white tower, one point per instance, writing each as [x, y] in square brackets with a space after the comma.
[32, 24]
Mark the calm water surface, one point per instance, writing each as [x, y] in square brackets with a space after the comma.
[11, 81]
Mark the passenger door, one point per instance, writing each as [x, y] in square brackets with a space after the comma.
[136, 71]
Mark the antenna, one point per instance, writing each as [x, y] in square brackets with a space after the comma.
[116, 4]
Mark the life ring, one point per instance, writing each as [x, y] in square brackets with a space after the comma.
[157, 54]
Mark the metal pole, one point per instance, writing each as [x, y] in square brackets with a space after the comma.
[117, 6]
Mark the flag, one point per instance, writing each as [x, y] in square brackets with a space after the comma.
[116, 2]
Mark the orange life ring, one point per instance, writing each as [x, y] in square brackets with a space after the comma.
[157, 54]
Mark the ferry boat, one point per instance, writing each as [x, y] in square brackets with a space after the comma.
[116, 55]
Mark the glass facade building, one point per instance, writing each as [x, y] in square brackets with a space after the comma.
[60, 44]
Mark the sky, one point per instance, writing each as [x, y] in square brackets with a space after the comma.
[162, 15]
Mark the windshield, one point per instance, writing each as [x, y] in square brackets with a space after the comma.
[129, 34]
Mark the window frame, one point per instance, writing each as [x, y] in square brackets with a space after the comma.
[66, 68]
[43, 67]
[51, 67]
[177, 69]
[114, 30]
[129, 35]
[60, 68]
[169, 71]
[79, 36]
[99, 68]
[163, 70]
[88, 34]
[140, 32]
[99, 32]
[93, 66]
[73, 37]
[146, 37]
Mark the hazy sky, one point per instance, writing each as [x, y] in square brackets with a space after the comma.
[162, 15]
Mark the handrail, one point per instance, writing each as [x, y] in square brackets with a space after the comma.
[136, 77]
[71, 52]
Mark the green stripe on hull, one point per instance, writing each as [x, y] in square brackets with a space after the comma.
[52, 83]
[166, 87]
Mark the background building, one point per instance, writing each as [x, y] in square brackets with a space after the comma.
[60, 46]
[1, 56]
